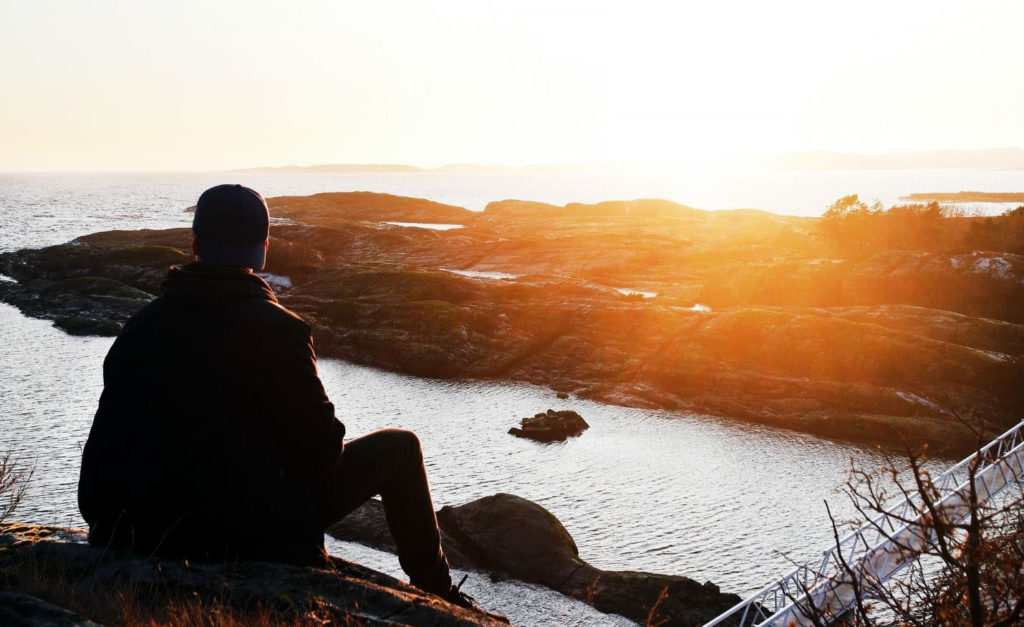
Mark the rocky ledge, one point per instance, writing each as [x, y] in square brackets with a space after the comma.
[646, 303]
[49, 576]
[510, 537]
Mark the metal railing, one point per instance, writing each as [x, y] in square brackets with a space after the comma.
[882, 546]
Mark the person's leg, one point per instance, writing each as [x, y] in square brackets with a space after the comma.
[390, 463]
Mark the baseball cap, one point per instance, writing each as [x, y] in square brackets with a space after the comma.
[231, 225]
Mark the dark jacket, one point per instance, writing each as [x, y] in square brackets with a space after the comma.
[213, 432]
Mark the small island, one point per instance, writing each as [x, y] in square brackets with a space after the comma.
[551, 426]
[993, 197]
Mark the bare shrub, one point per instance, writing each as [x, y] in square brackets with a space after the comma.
[13, 482]
[962, 555]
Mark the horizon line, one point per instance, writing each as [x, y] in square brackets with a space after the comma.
[736, 160]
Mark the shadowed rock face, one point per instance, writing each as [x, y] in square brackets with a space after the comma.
[644, 303]
[510, 537]
[57, 565]
[93, 284]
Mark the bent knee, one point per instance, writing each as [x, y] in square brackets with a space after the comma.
[404, 440]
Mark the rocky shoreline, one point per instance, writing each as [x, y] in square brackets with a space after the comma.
[509, 537]
[646, 303]
[50, 576]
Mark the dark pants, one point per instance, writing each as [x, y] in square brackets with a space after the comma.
[389, 463]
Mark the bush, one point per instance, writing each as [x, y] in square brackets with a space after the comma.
[1003, 233]
[851, 227]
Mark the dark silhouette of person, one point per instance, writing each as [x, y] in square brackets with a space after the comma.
[214, 438]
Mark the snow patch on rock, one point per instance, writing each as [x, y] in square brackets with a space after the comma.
[920, 400]
[276, 281]
[432, 226]
[995, 355]
[997, 266]
[989, 264]
[482, 274]
[625, 291]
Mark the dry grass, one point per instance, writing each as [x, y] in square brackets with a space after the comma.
[652, 616]
[134, 603]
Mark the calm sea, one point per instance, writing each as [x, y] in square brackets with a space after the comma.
[646, 490]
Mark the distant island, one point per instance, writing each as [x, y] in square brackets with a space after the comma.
[331, 168]
[987, 159]
[1010, 197]
[384, 168]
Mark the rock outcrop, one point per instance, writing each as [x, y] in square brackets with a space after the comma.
[19, 609]
[752, 316]
[92, 285]
[510, 537]
[551, 426]
[49, 576]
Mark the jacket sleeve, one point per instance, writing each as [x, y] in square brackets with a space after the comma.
[309, 435]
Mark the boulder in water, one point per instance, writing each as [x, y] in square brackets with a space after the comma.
[551, 426]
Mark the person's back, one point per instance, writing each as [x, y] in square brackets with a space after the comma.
[213, 429]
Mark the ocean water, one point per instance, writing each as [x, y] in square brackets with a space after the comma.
[45, 208]
[667, 492]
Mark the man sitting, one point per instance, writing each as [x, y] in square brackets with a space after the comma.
[214, 438]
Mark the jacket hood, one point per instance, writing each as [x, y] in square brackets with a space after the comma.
[201, 283]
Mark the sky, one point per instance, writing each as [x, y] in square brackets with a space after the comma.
[186, 85]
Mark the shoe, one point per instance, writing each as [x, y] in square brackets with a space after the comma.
[456, 596]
